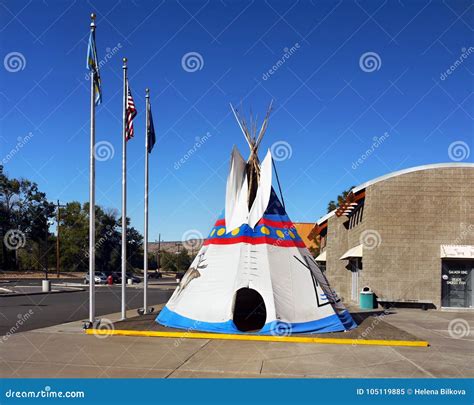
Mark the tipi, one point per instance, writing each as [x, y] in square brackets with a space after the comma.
[254, 273]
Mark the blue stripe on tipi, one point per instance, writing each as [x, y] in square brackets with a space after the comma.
[332, 323]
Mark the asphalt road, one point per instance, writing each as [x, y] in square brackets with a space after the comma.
[57, 308]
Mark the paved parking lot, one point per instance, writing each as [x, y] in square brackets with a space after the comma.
[39, 311]
[65, 351]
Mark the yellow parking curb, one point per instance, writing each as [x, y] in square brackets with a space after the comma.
[261, 338]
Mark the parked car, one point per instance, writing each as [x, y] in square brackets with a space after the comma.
[116, 277]
[154, 275]
[134, 278]
[99, 278]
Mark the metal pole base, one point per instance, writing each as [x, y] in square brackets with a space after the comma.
[91, 325]
[147, 311]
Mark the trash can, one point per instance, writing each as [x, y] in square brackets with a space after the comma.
[367, 299]
[46, 285]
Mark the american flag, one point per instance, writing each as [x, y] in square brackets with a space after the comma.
[130, 114]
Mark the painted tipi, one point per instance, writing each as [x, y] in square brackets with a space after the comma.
[254, 273]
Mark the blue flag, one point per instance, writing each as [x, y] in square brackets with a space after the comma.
[150, 130]
[93, 66]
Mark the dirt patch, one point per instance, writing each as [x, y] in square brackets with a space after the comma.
[371, 327]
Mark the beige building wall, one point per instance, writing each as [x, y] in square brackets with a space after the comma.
[405, 220]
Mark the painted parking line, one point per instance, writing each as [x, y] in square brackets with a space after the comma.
[261, 338]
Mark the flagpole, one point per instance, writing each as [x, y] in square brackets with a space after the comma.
[124, 191]
[145, 229]
[92, 196]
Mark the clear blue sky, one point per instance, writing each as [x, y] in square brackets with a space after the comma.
[327, 108]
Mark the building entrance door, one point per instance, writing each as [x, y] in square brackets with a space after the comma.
[457, 283]
[355, 266]
[355, 286]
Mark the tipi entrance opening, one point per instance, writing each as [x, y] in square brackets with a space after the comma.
[250, 313]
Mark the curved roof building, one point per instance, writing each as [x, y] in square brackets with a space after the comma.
[408, 235]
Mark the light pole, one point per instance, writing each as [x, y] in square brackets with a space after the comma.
[58, 219]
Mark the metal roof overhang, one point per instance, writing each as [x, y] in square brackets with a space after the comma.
[321, 257]
[356, 251]
[457, 252]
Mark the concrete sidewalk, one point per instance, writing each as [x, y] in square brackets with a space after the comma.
[66, 351]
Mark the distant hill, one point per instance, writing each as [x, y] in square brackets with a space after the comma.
[191, 245]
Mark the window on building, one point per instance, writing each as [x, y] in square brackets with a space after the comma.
[321, 266]
[356, 216]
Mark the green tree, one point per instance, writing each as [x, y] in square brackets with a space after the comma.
[134, 248]
[74, 237]
[175, 262]
[183, 261]
[24, 209]
[35, 213]
[152, 261]
[168, 261]
[108, 240]
[332, 205]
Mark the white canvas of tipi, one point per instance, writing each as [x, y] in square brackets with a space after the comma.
[254, 273]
